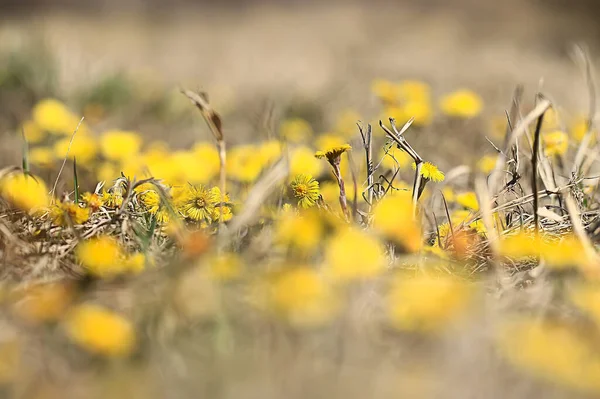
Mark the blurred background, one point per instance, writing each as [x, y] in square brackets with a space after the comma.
[264, 61]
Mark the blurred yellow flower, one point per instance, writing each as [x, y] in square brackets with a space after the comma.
[555, 143]
[32, 132]
[100, 331]
[427, 303]
[420, 110]
[208, 156]
[43, 302]
[84, 148]
[394, 158]
[551, 350]
[302, 160]
[53, 116]
[586, 297]
[385, 90]
[225, 267]
[487, 163]
[42, 157]
[352, 254]
[101, 256]
[67, 213]
[295, 130]
[25, 192]
[567, 252]
[393, 217]
[302, 232]
[306, 190]
[413, 90]
[244, 163]
[579, 128]
[269, 152]
[301, 297]
[119, 145]
[430, 172]
[468, 200]
[463, 103]
[134, 263]
[345, 124]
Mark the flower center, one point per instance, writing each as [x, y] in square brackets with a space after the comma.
[200, 203]
[301, 190]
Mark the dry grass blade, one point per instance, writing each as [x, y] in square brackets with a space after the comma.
[261, 190]
[66, 156]
[578, 228]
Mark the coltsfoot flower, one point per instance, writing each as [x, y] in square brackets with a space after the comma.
[306, 190]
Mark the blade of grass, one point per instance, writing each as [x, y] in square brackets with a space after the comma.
[25, 154]
[75, 180]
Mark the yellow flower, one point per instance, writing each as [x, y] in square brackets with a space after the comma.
[329, 140]
[53, 116]
[487, 163]
[430, 172]
[119, 145]
[385, 90]
[464, 104]
[92, 201]
[68, 213]
[352, 254]
[301, 297]
[394, 158]
[562, 254]
[134, 263]
[345, 124]
[112, 199]
[226, 267]
[269, 152]
[555, 143]
[32, 132]
[426, 303]
[393, 217]
[43, 302]
[306, 190]
[101, 256]
[197, 203]
[100, 331]
[553, 351]
[468, 200]
[107, 171]
[222, 206]
[579, 128]
[84, 148]
[333, 153]
[42, 157]
[24, 192]
[413, 90]
[448, 193]
[302, 232]
[420, 110]
[586, 297]
[208, 156]
[295, 130]
[302, 160]
[148, 197]
[521, 245]
[244, 163]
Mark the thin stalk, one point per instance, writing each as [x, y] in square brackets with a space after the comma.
[534, 166]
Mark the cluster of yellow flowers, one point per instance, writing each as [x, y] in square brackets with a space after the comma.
[412, 99]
